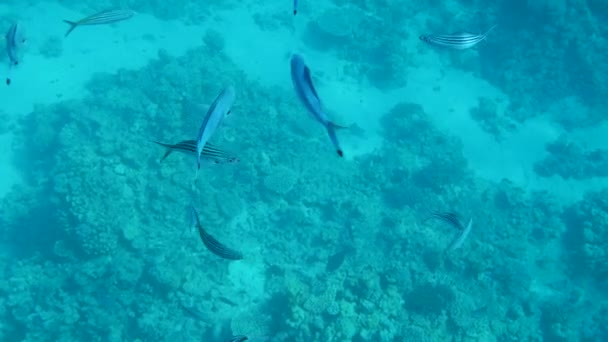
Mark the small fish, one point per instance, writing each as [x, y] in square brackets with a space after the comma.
[456, 41]
[238, 338]
[210, 242]
[14, 41]
[450, 218]
[103, 17]
[302, 82]
[336, 260]
[192, 311]
[214, 117]
[295, 7]
[453, 219]
[457, 243]
[209, 151]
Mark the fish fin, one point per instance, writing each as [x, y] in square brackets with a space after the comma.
[169, 149]
[336, 126]
[308, 78]
[490, 29]
[72, 24]
[334, 139]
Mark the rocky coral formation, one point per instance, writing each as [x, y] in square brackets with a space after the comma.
[587, 242]
[570, 160]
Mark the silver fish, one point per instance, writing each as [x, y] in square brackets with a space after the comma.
[302, 82]
[14, 41]
[456, 41]
[103, 17]
[457, 243]
[214, 117]
[295, 7]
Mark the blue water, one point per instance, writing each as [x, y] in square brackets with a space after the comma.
[508, 135]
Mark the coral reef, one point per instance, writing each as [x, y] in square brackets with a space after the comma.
[570, 160]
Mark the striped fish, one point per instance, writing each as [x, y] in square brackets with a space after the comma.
[14, 41]
[210, 242]
[214, 117]
[456, 41]
[450, 218]
[210, 151]
[238, 338]
[295, 7]
[103, 17]
[302, 83]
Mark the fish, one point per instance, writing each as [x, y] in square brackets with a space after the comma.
[209, 151]
[210, 242]
[192, 311]
[295, 7]
[456, 41]
[336, 260]
[453, 219]
[302, 82]
[220, 107]
[15, 39]
[103, 17]
[450, 218]
[238, 338]
[459, 240]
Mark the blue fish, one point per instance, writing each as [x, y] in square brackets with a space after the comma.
[14, 41]
[214, 117]
[295, 7]
[302, 82]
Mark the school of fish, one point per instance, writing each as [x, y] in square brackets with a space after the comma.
[203, 149]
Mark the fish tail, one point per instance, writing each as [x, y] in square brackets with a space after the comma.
[72, 24]
[168, 146]
[331, 130]
[490, 29]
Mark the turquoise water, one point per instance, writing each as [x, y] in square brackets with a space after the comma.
[97, 243]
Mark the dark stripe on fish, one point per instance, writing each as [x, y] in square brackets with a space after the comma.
[104, 17]
[238, 338]
[456, 41]
[210, 151]
[450, 218]
[211, 243]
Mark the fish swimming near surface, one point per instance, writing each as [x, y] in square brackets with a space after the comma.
[101, 18]
[456, 41]
[210, 151]
[214, 117]
[238, 338]
[15, 39]
[302, 82]
[295, 7]
[210, 242]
